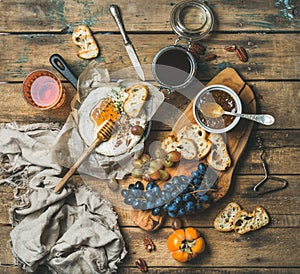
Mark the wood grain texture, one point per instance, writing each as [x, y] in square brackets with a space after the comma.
[267, 59]
[216, 254]
[183, 270]
[138, 15]
[31, 31]
[283, 206]
[14, 107]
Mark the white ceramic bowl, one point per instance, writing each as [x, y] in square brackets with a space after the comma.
[199, 100]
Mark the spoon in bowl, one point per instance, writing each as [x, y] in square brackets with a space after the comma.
[214, 110]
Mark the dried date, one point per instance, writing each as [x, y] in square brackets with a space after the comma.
[242, 54]
[149, 245]
[141, 265]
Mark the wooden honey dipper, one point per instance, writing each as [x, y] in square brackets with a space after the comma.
[102, 135]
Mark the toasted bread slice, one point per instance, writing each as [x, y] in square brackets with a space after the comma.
[226, 218]
[245, 222]
[137, 95]
[199, 136]
[169, 144]
[83, 38]
[188, 148]
[218, 158]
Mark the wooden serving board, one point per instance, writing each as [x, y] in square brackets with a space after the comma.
[236, 141]
[237, 138]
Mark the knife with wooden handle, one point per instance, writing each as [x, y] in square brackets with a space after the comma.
[115, 12]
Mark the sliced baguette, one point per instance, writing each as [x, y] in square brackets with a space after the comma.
[188, 148]
[218, 158]
[199, 136]
[169, 144]
[245, 222]
[137, 95]
[226, 218]
[83, 38]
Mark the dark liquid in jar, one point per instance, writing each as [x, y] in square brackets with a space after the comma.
[173, 67]
[45, 91]
[225, 101]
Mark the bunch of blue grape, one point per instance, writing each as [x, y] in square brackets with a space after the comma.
[181, 196]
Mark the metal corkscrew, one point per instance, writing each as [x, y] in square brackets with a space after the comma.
[267, 175]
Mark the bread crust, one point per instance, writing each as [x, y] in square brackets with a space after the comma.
[137, 95]
[188, 148]
[226, 218]
[218, 158]
[199, 136]
[83, 38]
[169, 144]
[246, 222]
[233, 217]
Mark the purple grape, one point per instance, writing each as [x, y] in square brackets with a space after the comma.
[190, 207]
[150, 185]
[124, 192]
[204, 198]
[202, 168]
[131, 186]
[156, 211]
[187, 197]
[172, 214]
[136, 204]
[181, 212]
[149, 195]
[129, 200]
[168, 187]
[139, 185]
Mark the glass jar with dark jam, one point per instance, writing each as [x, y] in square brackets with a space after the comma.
[174, 66]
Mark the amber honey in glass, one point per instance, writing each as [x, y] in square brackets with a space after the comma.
[42, 89]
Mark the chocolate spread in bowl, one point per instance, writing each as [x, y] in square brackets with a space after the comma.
[225, 101]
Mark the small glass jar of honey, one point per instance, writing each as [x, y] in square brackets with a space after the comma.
[43, 90]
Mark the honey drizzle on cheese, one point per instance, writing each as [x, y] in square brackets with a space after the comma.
[104, 111]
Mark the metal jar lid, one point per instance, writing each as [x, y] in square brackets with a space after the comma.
[191, 20]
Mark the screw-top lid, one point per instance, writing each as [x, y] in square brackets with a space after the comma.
[192, 20]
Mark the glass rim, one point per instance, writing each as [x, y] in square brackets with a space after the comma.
[28, 97]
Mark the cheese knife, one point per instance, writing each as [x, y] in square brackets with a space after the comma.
[115, 12]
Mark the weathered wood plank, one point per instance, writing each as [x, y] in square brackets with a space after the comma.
[212, 270]
[260, 242]
[272, 56]
[267, 247]
[11, 270]
[181, 270]
[271, 97]
[283, 206]
[138, 15]
[282, 147]
[283, 211]
[13, 106]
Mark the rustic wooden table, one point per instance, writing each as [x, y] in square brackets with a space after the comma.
[31, 31]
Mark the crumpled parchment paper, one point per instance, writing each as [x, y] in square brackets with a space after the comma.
[70, 144]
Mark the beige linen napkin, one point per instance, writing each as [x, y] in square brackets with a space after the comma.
[71, 232]
[25, 155]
